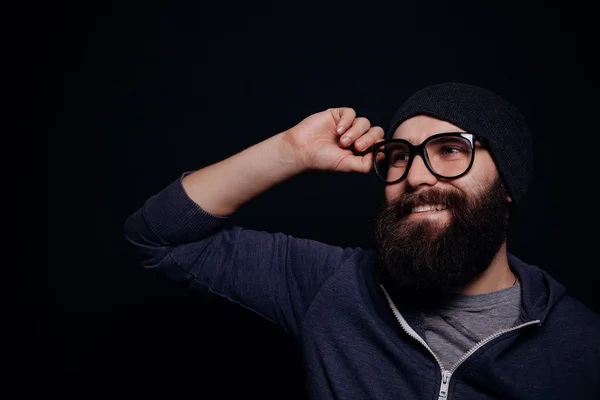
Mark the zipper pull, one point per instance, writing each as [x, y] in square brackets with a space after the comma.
[444, 386]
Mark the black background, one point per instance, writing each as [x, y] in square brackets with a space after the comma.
[120, 98]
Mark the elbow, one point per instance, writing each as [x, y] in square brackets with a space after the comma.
[150, 251]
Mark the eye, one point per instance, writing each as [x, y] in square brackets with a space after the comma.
[451, 150]
[399, 157]
[448, 148]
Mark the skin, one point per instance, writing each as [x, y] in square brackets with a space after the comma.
[498, 276]
[318, 143]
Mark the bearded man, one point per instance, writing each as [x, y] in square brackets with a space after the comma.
[440, 309]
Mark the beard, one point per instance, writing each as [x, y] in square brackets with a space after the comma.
[425, 260]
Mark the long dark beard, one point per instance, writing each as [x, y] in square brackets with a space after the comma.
[427, 260]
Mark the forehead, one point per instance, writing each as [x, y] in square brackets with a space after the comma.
[420, 127]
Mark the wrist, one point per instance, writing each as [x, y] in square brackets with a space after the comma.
[289, 156]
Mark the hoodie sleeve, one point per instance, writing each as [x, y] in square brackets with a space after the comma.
[272, 274]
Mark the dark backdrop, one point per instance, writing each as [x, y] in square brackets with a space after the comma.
[120, 98]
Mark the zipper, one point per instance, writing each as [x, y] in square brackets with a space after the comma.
[489, 339]
[447, 374]
[444, 385]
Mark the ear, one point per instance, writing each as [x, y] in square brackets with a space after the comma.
[508, 198]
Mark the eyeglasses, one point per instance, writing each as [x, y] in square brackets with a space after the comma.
[446, 155]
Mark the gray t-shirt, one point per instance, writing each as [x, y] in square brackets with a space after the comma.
[455, 328]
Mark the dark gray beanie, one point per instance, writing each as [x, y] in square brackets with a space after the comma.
[484, 113]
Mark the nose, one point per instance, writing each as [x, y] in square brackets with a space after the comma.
[419, 174]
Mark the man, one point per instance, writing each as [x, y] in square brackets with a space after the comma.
[439, 309]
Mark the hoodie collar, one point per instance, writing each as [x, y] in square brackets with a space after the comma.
[539, 291]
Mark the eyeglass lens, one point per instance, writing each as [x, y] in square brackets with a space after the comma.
[447, 156]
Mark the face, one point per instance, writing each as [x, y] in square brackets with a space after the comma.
[436, 235]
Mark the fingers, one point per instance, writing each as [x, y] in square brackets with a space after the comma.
[372, 136]
[359, 127]
[359, 133]
[344, 117]
[363, 163]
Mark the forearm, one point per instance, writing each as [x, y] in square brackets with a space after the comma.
[223, 187]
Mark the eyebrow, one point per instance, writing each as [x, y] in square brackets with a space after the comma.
[435, 133]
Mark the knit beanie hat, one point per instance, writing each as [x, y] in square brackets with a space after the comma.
[482, 112]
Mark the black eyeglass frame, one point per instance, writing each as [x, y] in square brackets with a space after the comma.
[419, 149]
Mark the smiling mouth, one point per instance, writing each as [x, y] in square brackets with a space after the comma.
[427, 208]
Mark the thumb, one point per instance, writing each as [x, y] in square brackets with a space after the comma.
[362, 164]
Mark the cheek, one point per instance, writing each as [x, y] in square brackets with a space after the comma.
[483, 165]
[392, 192]
[481, 175]
[473, 184]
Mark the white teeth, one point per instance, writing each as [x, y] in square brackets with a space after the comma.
[436, 207]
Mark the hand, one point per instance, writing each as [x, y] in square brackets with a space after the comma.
[332, 140]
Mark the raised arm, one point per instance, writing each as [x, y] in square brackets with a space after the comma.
[180, 230]
[315, 143]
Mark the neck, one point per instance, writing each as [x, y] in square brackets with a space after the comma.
[496, 277]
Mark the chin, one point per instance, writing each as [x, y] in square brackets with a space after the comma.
[442, 218]
[427, 228]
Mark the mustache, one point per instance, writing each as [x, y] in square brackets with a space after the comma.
[405, 203]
